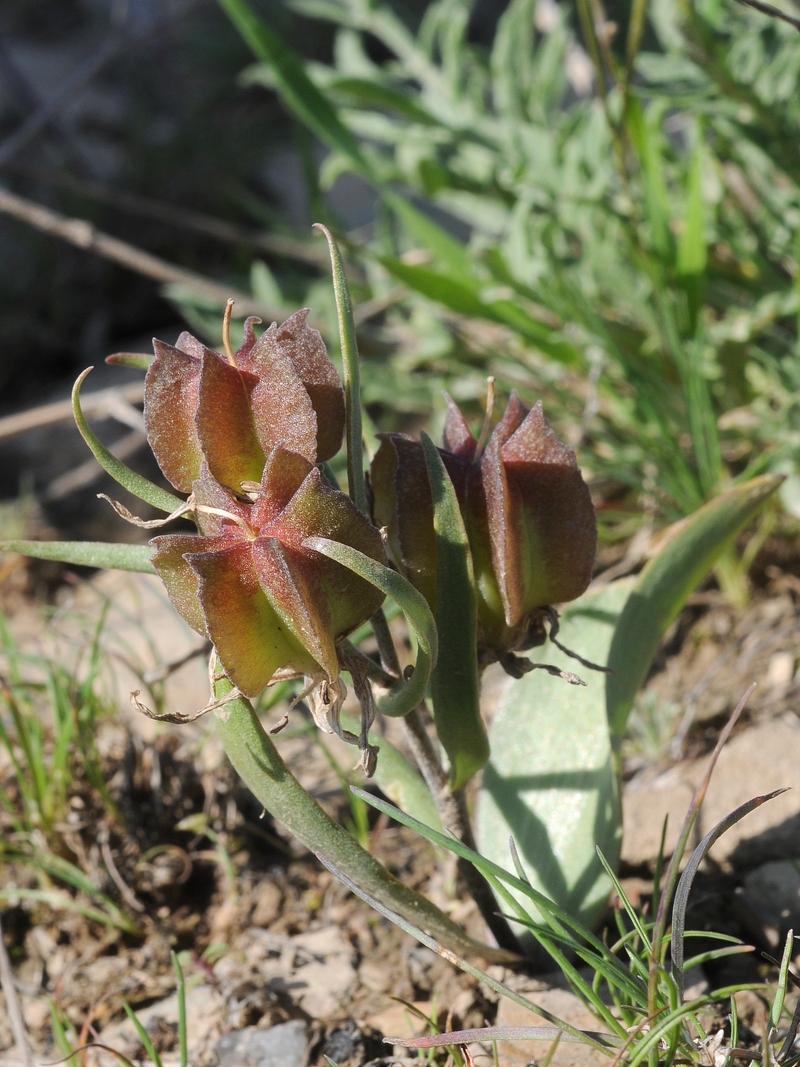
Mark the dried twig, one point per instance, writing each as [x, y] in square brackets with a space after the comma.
[82, 476]
[773, 12]
[181, 218]
[83, 235]
[103, 403]
[13, 1005]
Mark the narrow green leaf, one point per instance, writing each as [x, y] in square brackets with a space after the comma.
[140, 487]
[256, 759]
[137, 360]
[183, 1037]
[551, 782]
[455, 686]
[462, 294]
[691, 549]
[656, 199]
[356, 482]
[144, 1037]
[692, 253]
[411, 692]
[398, 779]
[692, 250]
[449, 252]
[107, 556]
[373, 94]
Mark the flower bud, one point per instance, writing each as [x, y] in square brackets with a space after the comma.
[279, 389]
[529, 517]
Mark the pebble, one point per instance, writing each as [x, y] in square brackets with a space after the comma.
[757, 761]
[285, 1045]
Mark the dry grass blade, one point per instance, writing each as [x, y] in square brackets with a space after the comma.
[491, 1033]
[687, 878]
[604, 1042]
[673, 869]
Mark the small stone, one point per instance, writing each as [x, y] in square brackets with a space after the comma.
[780, 671]
[757, 761]
[268, 906]
[375, 976]
[285, 1045]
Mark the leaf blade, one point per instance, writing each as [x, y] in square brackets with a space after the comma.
[105, 555]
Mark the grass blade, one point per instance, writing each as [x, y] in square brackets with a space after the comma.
[352, 388]
[603, 1042]
[107, 555]
[140, 487]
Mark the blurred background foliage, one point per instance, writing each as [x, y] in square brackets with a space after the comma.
[610, 206]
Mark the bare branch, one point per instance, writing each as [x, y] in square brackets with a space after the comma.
[773, 12]
[81, 234]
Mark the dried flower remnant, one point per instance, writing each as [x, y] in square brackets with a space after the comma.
[529, 517]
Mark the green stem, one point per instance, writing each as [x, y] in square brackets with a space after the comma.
[257, 761]
[352, 385]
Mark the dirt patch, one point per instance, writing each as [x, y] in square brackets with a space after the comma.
[272, 944]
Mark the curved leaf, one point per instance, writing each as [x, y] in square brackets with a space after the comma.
[256, 759]
[455, 687]
[356, 483]
[690, 550]
[552, 779]
[107, 556]
[410, 693]
[140, 487]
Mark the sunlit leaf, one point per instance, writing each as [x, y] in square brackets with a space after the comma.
[114, 557]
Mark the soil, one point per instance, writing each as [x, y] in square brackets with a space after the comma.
[267, 937]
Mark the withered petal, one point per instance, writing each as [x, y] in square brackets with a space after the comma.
[457, 437]
[224, 421]
[293, 354]
[170, 398]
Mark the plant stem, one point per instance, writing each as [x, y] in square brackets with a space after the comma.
[452, 808]
[386, 649]
[256, 759]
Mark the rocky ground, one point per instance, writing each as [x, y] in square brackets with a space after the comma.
[285, 967]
